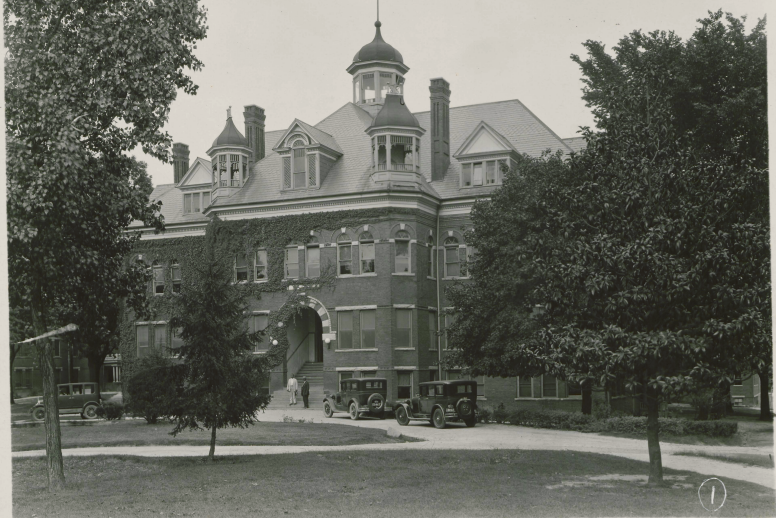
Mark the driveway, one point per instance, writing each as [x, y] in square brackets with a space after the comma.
[458, 437]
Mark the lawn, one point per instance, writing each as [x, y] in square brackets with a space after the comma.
[139, 433]
[405, 483]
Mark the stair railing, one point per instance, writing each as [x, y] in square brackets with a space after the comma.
[293, 363]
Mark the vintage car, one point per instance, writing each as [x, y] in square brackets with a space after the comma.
[440, 402]
[73, 398]
[358, 396]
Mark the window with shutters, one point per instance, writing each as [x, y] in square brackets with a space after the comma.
[299, 164]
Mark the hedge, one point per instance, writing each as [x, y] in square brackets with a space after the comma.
[559, 420]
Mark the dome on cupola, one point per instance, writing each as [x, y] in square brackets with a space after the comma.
[395, 113]
[230, 136]
[378, 50]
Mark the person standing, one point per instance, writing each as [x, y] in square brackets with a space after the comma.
[292, 387]
[305, 392]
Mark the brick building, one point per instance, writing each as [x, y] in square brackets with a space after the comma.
[423, 170]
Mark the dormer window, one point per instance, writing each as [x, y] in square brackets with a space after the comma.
[476, 174]
[299, 164]
[195, 202]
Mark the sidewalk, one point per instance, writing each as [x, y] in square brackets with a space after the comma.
[481, 437]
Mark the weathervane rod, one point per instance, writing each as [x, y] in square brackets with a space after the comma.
[378, 10]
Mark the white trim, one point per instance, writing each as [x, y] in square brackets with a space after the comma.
[404, 306]
[355, 350]
[353, 369]
[404, 274]
[354, 308]
[432, 308]
[405, 368]
[261, 312]
[404, 349]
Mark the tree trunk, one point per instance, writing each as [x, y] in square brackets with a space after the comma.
[54, 466]
[212, 442]
[765, 405]
[587, 397]
[14, 350]
[653, 439]
[95, 369]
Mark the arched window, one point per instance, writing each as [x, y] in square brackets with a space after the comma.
[431, 257]
[313, 258]
[291, 262]
[344, 254]
[402, 259]
[158, 278]
[299, 164]
[175, 273]
[453, 254]
[366, 251]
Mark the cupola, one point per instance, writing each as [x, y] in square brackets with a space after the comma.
[376, 67]
[230, 157]
[396, 135]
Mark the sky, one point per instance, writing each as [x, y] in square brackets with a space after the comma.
[290, 57]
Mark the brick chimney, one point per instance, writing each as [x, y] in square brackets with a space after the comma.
[254, 130]
[180, 160]
[440, 127]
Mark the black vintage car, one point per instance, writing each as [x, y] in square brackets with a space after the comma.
[358, 396]
[440, 402]
[72, 398]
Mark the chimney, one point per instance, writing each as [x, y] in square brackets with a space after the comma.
[180, 160]
[254, 130]
[440, 127]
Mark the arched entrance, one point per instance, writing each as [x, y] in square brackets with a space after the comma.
[305, 340]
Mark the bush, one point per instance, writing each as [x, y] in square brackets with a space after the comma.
[601, 409]
[554, 419]
[152, 388]
[500, 414]
[111, 411]
[484, 415]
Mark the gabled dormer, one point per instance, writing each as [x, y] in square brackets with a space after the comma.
[483, 156]
[229, 159]
[307, 154]
[196, 187]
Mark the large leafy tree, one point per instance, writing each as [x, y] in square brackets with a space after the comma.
[649, 252]
[85, 83]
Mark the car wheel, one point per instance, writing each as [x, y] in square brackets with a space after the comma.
[470, 422]
[39, 413]
[327, 411]
[354, 411]
[90, 412]
[376, 403]
[401, 416]
[465, 409]
[439, 418]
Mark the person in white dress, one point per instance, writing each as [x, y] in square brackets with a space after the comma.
[292, 387]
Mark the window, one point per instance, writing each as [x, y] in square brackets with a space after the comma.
[386, 78]
[259, 323]
[482, 173]
[452, 257]
[544, 386]
[368, 328]
[292, 262]
[431, 257]
[344, 375]
[177, 341]
[368, 80]
[405, 384]
[738, 380]
[195, 202]
[261, 266]
[205, 199]
[158, 278]
[345, 329]
[299, 165]
[432, 330]
[403, 328]
[240, 268]
[313, 259]
[78, 390]
[57, 346]
[175, 273]
[64, 391]
[22, 378]
[480, 385]
[366, 250]
[433, 375]
[160, 337]
[142, 339]
[574, 388]
[402, 264]
[344, 251]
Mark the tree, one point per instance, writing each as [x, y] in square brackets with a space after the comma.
[219, 378]
[649, 252]
[86, 82]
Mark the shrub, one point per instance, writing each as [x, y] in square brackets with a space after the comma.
[484, 415]
[500, 414]
[601, 409]
[554, 419]
[152, 388]
[111, 411]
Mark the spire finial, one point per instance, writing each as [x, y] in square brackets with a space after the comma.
[377, 23]
[229, 113]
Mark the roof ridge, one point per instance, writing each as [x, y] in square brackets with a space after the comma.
[545, 126]
[479, 104]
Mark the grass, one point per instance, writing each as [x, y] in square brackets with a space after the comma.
[399, 483]
[138, 433]
[750, 459]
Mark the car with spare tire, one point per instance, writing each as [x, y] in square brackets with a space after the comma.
[72, 398]
[440, 402]
[358, 397]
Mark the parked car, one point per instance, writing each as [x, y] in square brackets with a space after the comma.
[358, 396]
[73, 398]
[440, 402]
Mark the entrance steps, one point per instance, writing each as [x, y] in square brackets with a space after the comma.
[314, 373]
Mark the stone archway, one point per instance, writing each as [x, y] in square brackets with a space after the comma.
[319, 308]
